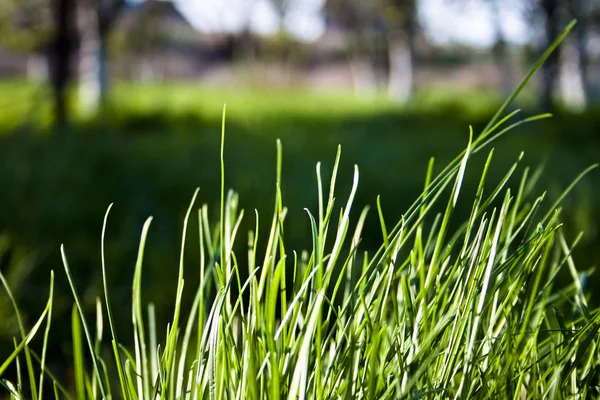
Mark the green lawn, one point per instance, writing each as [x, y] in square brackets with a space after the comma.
[156, 144]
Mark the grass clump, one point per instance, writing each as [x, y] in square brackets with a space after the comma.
[436, 312]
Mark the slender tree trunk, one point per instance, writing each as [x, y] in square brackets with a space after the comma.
[580, 9]
[93, 72]
[400, 81]
[96, 18]
[401, 50]
[550, 68]
[500, 51]
[573, 61]
[572, 86]
[60, 57]
[89, 84]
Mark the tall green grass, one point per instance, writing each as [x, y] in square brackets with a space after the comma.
[476, 312]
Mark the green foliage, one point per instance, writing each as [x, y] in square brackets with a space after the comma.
[25, 25]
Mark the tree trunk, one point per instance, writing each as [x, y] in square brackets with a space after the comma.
[550, 68]
[400, 81]
[93, 73]
[580, 9]
[572, 90]
[60, 57]
[401, 35]
[500, 52]
[96, 19]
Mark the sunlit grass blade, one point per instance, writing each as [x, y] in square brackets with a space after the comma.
[46, 334]
[88, 337]
[78, 358]
[111, 321]
[141, 356]
[23, 343]
[29, 364]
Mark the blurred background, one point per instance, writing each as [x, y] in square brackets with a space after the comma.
[120, 101]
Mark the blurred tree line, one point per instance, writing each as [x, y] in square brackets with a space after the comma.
[384, 36]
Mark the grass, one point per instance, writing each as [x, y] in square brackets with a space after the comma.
[440, 310]
[27, 101]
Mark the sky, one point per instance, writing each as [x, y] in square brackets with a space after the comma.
[303, 18]
[470, 21]
[466, 21]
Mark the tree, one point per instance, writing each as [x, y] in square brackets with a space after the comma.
[61, 56]
[581, 10]
[401, 25]
[565, 75]
[564, 72]
[377, 43]
[387, 27]
[95, 18]
[50, 28]
[500, 49]
[355, 18]
[25, 26]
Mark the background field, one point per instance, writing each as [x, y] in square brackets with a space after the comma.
[156, 144]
